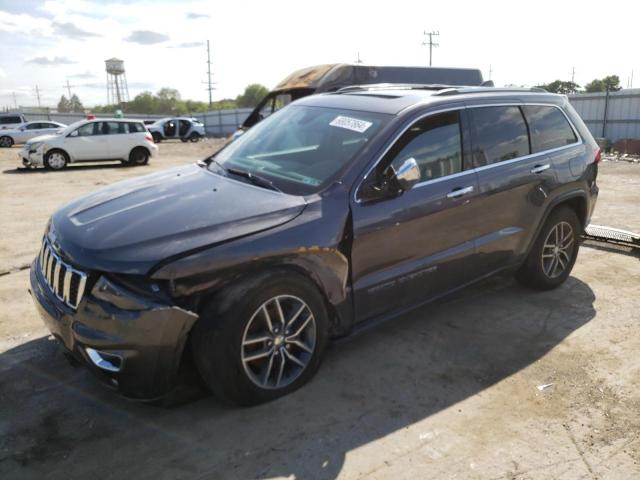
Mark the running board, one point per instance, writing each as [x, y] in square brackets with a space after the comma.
[600, 233]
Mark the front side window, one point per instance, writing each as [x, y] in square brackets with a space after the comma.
[300, 148]
[549, 128]
[500, 133]
[435, 142]
[86, 129]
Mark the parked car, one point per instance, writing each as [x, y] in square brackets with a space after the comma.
[91, 140]
[332, 77]
[186, 129]
[29, 130]
[11, 120]
[336, 212]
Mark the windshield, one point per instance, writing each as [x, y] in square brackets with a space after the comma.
[299, 148]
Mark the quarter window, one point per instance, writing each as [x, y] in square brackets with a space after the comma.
[435, 142]
[500, 133]
[549, 128]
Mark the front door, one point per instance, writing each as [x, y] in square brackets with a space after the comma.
[413, 246]
[88, 142]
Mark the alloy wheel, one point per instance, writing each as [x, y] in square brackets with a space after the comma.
[278, 342]
[557, 250]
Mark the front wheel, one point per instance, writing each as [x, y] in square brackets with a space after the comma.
[554, 252]
[264, 343]
[56, 160]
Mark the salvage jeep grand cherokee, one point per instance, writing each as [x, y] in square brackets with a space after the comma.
[338, 210]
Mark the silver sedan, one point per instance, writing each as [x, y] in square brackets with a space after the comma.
[29, 130]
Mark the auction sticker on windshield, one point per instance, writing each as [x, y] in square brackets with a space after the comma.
[350, 123]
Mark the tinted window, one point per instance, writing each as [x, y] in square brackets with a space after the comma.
[436, 144]
[34, 126]
[500, 133]
[49, 125]
[6, 120]
[549, 128]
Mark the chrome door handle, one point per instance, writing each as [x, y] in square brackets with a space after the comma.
[459, 192]
[540, 168]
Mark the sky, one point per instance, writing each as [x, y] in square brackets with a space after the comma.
[163, 43]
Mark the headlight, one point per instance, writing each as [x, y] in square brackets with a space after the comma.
[34, 146]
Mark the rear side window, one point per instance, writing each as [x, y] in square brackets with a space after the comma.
[34, 126]
[500, 133]
[549, 128]
[435, 143]
[10, 119]
[136, 127]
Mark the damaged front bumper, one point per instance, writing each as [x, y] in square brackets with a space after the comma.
[32, 157]
[131, 342]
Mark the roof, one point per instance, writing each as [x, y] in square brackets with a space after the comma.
[393, 99]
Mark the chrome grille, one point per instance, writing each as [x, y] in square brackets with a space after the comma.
[65, 282]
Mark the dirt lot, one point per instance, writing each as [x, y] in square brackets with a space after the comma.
[449, 391]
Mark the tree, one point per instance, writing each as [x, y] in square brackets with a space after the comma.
[611, 83]
[75, 105]
[252, 95]
[64, 105]
[560, 86]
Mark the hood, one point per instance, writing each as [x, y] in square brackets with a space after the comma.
[131, 226]
[41, 138]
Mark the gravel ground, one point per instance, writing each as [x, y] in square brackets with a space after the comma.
[448, 391]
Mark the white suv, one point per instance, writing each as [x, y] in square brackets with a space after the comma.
[91, 140]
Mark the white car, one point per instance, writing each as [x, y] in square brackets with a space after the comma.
[29, 130]
[11, 120]
[91, 140]
[186, 129]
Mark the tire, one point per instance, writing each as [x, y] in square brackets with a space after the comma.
[194, 137]
[184, 140]
[157, 138]
[550, 261]
[233, 328]
[138, 156]
[56, 159]
[6, 141]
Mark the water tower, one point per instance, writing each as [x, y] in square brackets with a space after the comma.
[117, 89]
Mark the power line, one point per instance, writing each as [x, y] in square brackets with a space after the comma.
[431, 43]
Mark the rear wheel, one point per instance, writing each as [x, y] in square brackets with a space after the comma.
[56, 160]
[194, 137]
[6, 141]
[139, 156]
[265, 343]
[554, 252]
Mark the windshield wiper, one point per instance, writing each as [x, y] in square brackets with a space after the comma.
[252, 177]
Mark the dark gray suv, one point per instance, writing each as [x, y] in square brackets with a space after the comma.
[337, 211]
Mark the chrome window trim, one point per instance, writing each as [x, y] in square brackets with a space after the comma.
[475, 169]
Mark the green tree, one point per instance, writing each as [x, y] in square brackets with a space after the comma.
[75, 105]
[252, 95]
[560, 86]
[611, 83]
[64, 105]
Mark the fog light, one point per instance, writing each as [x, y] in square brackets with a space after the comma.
[105, 361]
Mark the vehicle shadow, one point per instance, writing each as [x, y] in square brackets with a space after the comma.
[75, 167]
[59, 423]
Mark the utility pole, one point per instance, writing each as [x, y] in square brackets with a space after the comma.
[431, 43]
[15, 102]
[68, 87]
[210, 87]
[573, 75]
[38, 96]
[358, 59]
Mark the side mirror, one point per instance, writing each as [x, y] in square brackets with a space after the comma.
[73, 134]
[408, 174]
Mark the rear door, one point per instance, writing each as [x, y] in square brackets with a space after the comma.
[29, 131]
[413, 246]
[514, 183]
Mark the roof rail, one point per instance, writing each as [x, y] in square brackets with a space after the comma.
[391, 86]
[467, 90]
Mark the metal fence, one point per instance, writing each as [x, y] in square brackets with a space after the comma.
[615, 116]
[217, 123]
